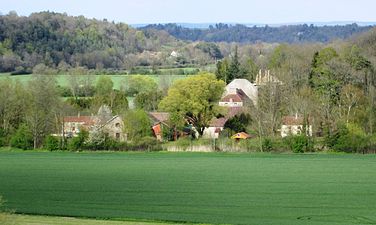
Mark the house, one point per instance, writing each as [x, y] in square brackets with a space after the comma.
[215, 128]
[217, 124]
[231, 100]
[115, 128]
[103, 121]
[242, 86]
[293, 125]
[72, 125]
[159, 120]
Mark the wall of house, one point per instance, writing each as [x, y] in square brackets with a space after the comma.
[115, 129]
[209, 132]
[72, 128]
[287, 130]
[231, 104]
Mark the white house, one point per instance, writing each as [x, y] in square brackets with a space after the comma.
[293, 125]
[231, 100]
[243, 85]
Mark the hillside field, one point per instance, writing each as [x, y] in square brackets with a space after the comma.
[215, 188]
[119, 80]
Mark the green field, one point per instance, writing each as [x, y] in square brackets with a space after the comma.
[118, 80]
[193, 187]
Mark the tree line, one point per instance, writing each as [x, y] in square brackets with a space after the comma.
[243, 34]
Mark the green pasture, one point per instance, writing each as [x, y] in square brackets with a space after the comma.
[119, 80]
[215, 188]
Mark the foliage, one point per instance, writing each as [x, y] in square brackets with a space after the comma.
[140, 84]
[137, 124]
[241, 33]
[238, 123]
[348, 138]
[194, 98]
[267, 145]
[51, 143]
[43, 107]
[79, 142]
[210, 48]
[299, 143]
[149, 100]
[46, 40]
[23, 138]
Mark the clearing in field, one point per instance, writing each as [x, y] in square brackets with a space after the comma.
[197, 188]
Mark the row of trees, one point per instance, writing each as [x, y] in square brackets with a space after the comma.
[243, 34]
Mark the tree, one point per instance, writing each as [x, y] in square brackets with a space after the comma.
[137, 124]
[222, 70]
[43, 101]
[350, 98]
[140, 83]
[195, 99]
[148, 100]
[234, 68]
[23, 138]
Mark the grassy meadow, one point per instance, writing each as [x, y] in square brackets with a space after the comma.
[215, 188]
[119, 80]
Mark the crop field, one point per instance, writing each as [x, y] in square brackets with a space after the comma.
[214, 188]
[119, 80]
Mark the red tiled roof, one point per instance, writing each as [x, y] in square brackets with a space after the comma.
[293, 120]
[232, 98]
[87, 120]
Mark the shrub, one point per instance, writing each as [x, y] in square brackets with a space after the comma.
[79, 142]
[267, 145]
[51, 143]
[146, 144]
[299, 143]
[2, 137]
[350, 138]
[23, 138]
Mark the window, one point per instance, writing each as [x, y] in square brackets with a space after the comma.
[117, 135]
[117, 125]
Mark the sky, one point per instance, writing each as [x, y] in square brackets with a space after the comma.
[203, 11]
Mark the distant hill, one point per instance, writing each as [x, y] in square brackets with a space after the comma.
[207, 25]
[245, 34]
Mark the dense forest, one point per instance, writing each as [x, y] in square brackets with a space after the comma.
[55, 39]
[243, 34]
[61, 42]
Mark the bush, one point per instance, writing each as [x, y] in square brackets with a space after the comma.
[79, 142]
[2, 138]
[299, 143]
[145, 144]
[23, 138]
[51, 143]
[267, 145]
[350, 138]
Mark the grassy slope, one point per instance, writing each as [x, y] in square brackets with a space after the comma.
[209, 188]
[118, 80]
